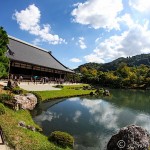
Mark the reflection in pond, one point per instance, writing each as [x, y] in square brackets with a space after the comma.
[92, 121]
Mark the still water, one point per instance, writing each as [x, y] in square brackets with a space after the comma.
[93, 120]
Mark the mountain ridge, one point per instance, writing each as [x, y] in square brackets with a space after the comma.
[136, 60]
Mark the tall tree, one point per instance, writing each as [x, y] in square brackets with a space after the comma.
[4, 61]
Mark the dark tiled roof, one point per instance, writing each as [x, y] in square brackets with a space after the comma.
[25, 52]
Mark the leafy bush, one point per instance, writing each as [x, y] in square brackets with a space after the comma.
[17, 90]
[99, 91]
[59, 86]
[86, 87]
[2, 109]
[7, 88]
[62, 139]
[5, 97]
[91, 93]
[38, 96]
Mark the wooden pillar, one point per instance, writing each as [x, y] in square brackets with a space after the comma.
[32, 71]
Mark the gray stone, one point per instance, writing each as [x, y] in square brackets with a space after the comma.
[27, 101]
[30, 127]
[131, 137]
[22, 124]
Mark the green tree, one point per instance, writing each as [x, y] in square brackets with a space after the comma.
[83, 70]
[93, 72]
[147, 79]
[123, 70]
[4, 61]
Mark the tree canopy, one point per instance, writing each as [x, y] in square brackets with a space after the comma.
[4, 61]
[123, 77]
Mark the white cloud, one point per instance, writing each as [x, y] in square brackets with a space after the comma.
[81, 43]
[29, 20]
[132, 42]
[143, 120]
[73, 99]
[36, 42]
[103, 113]
[76, 60]
[107, 115]
[126, 18]
[73, 67]
[140, 5]
[77, 116]
[47, 116]
[93, 58]
[98, 13]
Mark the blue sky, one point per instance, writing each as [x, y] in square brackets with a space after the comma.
[80, 31]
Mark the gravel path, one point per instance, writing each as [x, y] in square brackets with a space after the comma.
[33, 87]
[37, 87]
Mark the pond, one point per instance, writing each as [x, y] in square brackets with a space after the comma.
[93, 120]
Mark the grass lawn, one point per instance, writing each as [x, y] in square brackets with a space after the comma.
[1, 90]
[21, 138]
[67, 91]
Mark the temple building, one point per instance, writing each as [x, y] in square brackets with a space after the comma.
[27, 60]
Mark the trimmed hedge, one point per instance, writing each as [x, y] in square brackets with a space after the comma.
[2, 109]
[62, 139]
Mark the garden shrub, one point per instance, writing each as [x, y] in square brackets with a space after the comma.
[62, 139]
[7, 88]
[91, 93]
[5, 97]
[38, 96]
[2, 109]
[99, 91]
[59, 86]
[17, 90]
[87, 87]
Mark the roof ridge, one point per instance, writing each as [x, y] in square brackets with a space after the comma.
[29, 44]
[59, 61]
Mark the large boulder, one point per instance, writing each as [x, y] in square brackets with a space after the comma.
[131, 137]
[27, 101]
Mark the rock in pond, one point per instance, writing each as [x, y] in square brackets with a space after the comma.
[131, 137]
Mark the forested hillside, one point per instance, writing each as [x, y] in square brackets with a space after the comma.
[89, 66]
[131, 72]
[112, 66]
